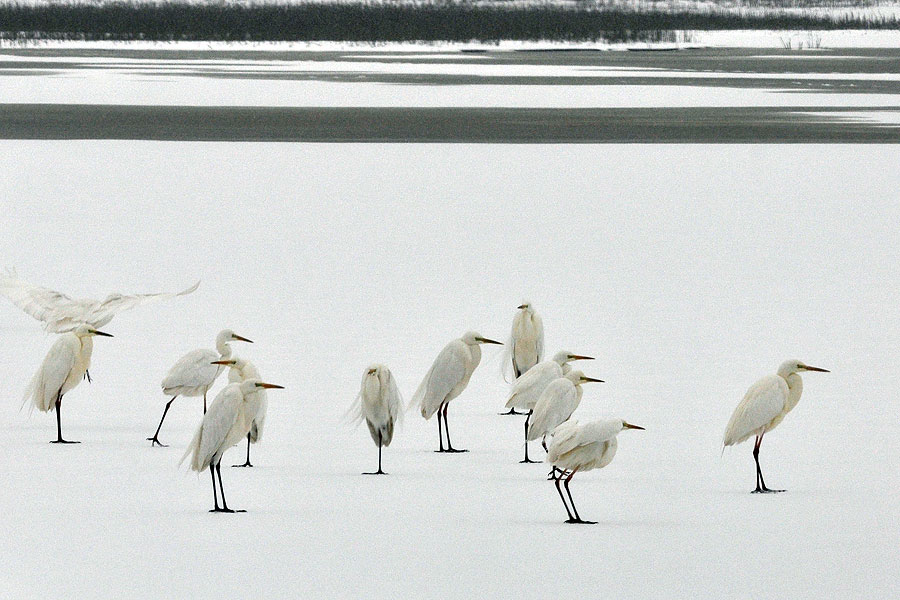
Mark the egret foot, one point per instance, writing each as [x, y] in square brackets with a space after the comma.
[528, 461]
[226, 510]
[766, 491]
[246, 464]
[378, 472]
[581, 521]
[62, 441]
[451, 450]
[512, 411]
[156, 442]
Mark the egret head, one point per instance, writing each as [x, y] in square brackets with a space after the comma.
[578, 377]
[227, 335]
[472, 338]
[526, 306]
[253, 385]
[797, 366]
[237, 363]
[86, 330]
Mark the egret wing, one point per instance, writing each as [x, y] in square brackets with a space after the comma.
[763, 402]
[103, 312]
[49, 378]
[194, 369]
[556, 404]
[448, 370]
[528, 388]
[60, 313]
[223, 413]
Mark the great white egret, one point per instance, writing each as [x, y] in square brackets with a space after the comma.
[528, 388]
[525, 346]
[224, 425]
[557, 403]
[447, 378]
[379, 403]
[581, 448]
[242, 370]
[195, 373]
[63, 368]
[764, 406]
[61, 313]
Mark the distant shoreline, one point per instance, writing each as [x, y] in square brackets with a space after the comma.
[416, 22]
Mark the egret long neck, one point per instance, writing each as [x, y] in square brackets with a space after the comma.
[223, 348]
[795, 388]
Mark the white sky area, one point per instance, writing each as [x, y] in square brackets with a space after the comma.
[688, 271]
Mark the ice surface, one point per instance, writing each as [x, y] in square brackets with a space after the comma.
[688, 271]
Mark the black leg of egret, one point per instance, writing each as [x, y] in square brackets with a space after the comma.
[247, 463]
[59, 438]
[212, 471]
[204, 403]
[87, 375]
[578, 518]
[222, 491]
[440, 430]
[155, 438]
[527, 419]
[760, 482]
[379, 471]
[450, 448]
[563, 498]
[513, 410]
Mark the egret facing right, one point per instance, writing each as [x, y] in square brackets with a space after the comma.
[582, 448]
[195, 373]
[224, 425]
[63, 368]
[526, 344]
[447, 378]
[764, 406]
[242, 370]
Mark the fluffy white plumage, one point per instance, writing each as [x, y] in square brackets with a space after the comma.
[379, 403]
[61, 314]
[193, 374]
[526, 342]
[556, 404]
[527, 389]
[241, 370]
[225, 424]
[449, 374]
[766, 403]
[580, 448]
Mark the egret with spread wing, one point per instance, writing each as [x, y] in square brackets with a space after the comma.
[582, 448]
[195, 373]
[764, 406]
[61, 314]
[225, 424]
[528, 388]
[447, 378]
[63, 368]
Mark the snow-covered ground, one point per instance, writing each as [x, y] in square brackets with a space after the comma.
[689, 271]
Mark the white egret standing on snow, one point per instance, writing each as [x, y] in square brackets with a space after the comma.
[379, 403]
[224, 425]
[526, 344]
[195, 373]
[764, 406]
[242, 370]
[557, 403]
[63, 368]
[581, 448]
[447, 378]
[61, 313]
[528, 388]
